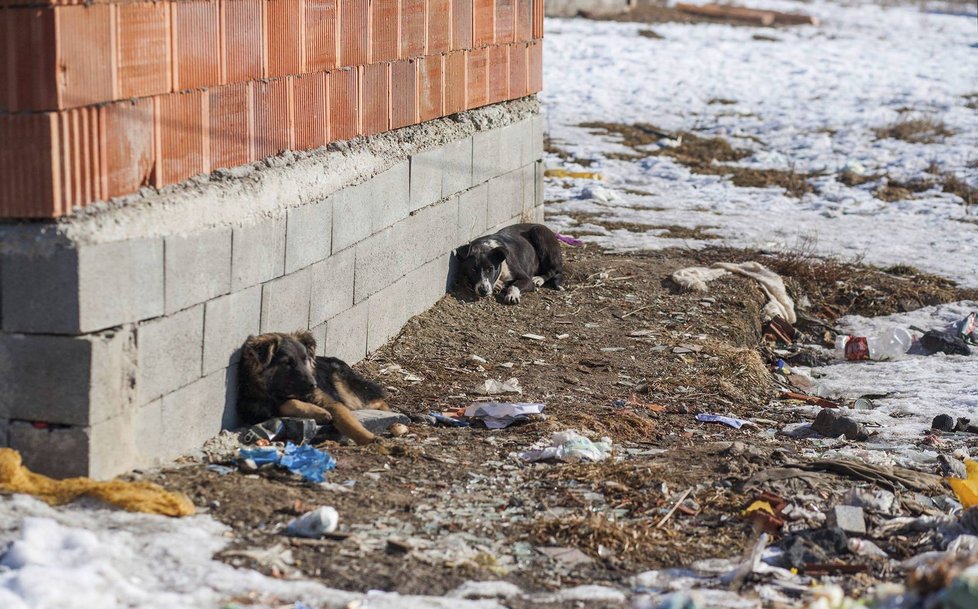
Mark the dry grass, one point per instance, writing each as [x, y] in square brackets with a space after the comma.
[956, 186]
[595, 535]
[971, 101]
[895, 190]
[650, 34]
[915, 130]
[850, 178]
[704, 155]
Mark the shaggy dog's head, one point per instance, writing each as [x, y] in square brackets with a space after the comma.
[284, 365]
[480, 265]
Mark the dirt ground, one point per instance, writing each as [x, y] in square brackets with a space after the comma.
[624, 354]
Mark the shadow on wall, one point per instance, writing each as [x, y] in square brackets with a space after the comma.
[230, 418]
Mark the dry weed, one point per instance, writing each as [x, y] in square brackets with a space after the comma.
[915, 130]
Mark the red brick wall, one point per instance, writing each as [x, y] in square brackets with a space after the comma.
[98, 100]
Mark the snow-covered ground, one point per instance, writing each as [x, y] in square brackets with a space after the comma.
[808, 102]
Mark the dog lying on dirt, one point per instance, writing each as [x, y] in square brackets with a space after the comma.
[515, 260]
[280, 375]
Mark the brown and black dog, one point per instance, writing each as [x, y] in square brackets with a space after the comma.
[280, 375]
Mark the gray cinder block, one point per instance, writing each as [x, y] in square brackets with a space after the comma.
[61, 290]
[285, 303]
[528, 180]
[361, 210]
[505, 197]
[485, 156]
[194, 413]
[456, 167]
[170, 351]
[352, 211]
[228, 321]
[426, 177]
[198, 268]
[70, 380]
[308, 234]
[389, 310]
[473, 205]
[346, 335]
[536, 143]
[257, 252]
[332, 286]
[514, 146]
[100, 451]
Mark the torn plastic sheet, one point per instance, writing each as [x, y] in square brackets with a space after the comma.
[497, 415]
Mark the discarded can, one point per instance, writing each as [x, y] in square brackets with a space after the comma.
[314, 524]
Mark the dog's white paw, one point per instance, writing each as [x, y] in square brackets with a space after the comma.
[512, 295]
[538, 281]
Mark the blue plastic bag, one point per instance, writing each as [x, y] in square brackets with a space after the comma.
[311, 463]
[307, 461]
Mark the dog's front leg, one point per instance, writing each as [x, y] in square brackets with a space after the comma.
[514, 291]
[304, 410]
[344, 421]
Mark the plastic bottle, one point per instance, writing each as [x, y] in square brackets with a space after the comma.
[893, 343]
[314, 524]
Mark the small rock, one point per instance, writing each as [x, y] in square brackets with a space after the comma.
[570, 557]
[849, 518]
[832, 424]
[943, 422]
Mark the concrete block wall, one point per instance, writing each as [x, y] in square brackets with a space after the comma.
[120, 352]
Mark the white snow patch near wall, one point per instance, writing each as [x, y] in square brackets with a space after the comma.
[85, 557]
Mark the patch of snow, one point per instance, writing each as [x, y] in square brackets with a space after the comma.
[808, 102]
[82, 556]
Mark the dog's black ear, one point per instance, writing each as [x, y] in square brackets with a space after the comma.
[305, 337]
[462, 251]
[261, 349]
[497, 255]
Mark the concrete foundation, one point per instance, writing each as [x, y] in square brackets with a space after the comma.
[120, 325]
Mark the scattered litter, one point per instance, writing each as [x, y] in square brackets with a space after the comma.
[729, 421]
[495, 387]
[939, 341]
[398, 429]
[832, 424]
[891, 344]
[314, 524]
[447, 420]
[569, 240]
[221, 470]
[565, 173]
[864, 547]
[848, 518]
[809, 399]
[281, 429]
[497, 415]
[132, 496]
[687, 348]
[571, 557]
[532, 337]
[966, 489]
[779, 303]
[307, 461]
[571, 447]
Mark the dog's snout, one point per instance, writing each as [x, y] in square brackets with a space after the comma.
[482, 290]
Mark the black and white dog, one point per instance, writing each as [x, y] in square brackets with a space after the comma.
[517, 259]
